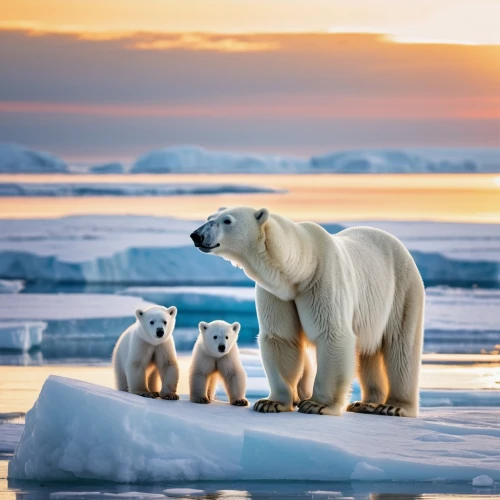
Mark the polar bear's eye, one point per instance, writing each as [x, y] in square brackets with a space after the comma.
[151, 322]
[227, 221]
[215, 337]
[227, 338]
[164, 322]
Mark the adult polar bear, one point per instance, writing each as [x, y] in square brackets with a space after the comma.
[358, 290]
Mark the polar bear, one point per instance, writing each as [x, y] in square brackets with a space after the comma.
[358, 291]
[216, 354]
[144, 358]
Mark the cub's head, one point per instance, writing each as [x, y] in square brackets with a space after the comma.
[231, 232]
[157, 322]
[219, 337]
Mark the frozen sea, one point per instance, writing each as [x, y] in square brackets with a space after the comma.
[73, 269]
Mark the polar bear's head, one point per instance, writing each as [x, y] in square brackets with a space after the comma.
[230, 232]
[157, 322]
[219, 337]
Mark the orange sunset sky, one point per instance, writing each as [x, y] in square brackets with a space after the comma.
[117, 77]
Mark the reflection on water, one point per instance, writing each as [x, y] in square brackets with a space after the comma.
[242, 490]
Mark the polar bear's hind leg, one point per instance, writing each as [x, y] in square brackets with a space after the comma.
[373, 381]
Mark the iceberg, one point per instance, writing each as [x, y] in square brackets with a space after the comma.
[21, 335]
[124, 189]
[388, 162]
[15, 159]
[195, 159]
[79, 431]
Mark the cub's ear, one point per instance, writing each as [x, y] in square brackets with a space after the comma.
[220, 209]
[262, 215]
[202, 326]
[139, 313]
[236, 327]
[172, 310]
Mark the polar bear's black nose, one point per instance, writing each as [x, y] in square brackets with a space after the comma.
[160, 332]
[222, 348]
[197, 238]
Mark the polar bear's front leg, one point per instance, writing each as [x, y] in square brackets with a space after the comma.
[198, 390]
[282, 350]
[336, 366]
[136, 378]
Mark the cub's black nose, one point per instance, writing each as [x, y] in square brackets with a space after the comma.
[160, 332]
[222, 348]
[197, 238]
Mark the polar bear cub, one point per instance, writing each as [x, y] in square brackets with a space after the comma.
[216, 354]
[144, 358]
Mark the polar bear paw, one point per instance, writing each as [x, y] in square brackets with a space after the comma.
[311, 407]
[376, 409]
[150, 395]
[240, 402]
[270, 406]
[201, 400]
[170, 396]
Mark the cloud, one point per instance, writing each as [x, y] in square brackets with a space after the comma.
[205, 42]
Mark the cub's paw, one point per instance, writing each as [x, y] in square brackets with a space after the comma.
[150, 395]
[269, 406]
[240, 402]
[311, 407]
[202, 401]
[171, 396]
[376, 409]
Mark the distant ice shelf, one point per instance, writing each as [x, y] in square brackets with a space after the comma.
[196, 159]
[80, 431]
[67, 189]
[158, 250]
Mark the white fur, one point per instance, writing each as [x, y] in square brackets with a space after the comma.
[358, 290]
[209, 363]
[143, 362]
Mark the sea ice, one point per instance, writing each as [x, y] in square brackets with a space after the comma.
[78, 430]
[21, 335]
[80, 189]
[11, 286]
[485, 481]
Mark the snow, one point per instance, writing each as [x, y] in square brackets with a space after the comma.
[195, 159]
[484, 481]
[79, 430]
[389, 162]
[21, 336]
[123, 189]
[158, 250]
[11, 286]
[20, 160]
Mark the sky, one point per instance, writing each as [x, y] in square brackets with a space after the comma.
[86, 78]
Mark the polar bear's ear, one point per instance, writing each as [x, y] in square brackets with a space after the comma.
[202, 326]
[236, 327]
[262, 215]
[172, 310]
[139, 313]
